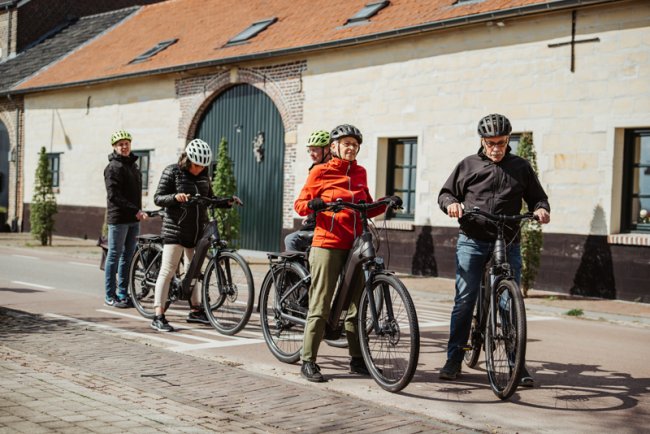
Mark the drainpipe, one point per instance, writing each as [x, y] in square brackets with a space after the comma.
[14, 224]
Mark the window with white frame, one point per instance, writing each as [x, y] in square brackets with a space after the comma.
[401, 174]
[54, 164]
[143, 165]
[635, 215]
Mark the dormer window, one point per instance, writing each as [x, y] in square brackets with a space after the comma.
[153, 51]
[251, 31]
[368, 11]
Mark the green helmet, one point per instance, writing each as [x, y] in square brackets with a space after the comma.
[120, 135]
[320, 138]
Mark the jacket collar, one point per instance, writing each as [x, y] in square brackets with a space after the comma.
[130, 159]
[341, 164]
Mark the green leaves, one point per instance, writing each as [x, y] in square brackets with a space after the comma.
[224, 184]
[43, 206]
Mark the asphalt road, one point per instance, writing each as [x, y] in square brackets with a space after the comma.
[592, 376]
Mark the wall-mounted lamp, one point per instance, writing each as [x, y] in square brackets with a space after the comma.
[13, 155]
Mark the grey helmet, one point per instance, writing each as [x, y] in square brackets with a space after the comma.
[346, 130]
[494, 125]
[199, 152]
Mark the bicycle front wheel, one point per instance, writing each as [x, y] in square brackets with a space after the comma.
[505, 341]
[143, 273]
[284, 295]
[390, 353]
[228, 292]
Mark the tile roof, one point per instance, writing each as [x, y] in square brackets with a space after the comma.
[203, 27]
[69, 38]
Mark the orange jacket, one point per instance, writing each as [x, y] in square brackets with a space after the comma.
[336, 179]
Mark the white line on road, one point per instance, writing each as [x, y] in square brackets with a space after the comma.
[83, 263]
[35, 285]
[25, 257]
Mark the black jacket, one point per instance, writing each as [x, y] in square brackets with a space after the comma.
[497, 188]
[182, 223]
[123, 189]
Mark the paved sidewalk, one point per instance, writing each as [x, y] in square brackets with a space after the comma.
[57, 376]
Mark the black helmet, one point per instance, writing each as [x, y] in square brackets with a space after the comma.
[494, 125]
[346, 130]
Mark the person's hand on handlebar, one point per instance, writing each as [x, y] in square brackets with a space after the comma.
[542, 215]
[455, 210]
[141, 215]
[236, 201]
[316, 204]
[396, 202]
[182, 197]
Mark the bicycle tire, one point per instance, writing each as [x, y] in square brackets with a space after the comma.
[505, 341]
[284, 337]
[141, 286]
[392, 355]
[228, 292]
[477, 329]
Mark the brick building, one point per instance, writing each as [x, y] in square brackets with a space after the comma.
[414, 76]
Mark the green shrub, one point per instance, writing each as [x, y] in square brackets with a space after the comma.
[43, 206]
[224, 184]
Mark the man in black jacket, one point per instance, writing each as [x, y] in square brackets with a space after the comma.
[123, 205]
[495, 181]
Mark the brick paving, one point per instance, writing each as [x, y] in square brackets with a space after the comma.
[58, 376]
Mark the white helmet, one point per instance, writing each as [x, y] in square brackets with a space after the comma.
[199, 152]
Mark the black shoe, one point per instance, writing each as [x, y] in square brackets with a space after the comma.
[311, 371]
[198, 317]
[160, 324]
[358, 366]
[526, 379]
[124, 303]
[451, 370]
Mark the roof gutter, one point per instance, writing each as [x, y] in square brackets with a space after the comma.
[405, 31]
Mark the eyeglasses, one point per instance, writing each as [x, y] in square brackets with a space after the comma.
[353, 145]
[500, 143]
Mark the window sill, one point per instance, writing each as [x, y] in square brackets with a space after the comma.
[398, 225]
[629, 239]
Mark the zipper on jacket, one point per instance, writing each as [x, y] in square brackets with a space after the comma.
[354, 213]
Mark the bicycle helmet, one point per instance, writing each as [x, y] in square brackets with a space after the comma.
[120, 135]
[346, 130]
[199, 152]
[494, 125]
[319, 138]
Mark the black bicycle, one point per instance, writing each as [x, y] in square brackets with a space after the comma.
[228, 292]
[388, 327]
[499, 320]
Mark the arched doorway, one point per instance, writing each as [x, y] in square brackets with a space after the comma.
[253, 127]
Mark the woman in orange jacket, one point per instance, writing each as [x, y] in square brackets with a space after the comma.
[340, 178]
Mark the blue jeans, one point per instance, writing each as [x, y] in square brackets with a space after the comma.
[121, 246]
[471, 257]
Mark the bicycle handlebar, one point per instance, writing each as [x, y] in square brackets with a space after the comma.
[340, 204]
[155, 213]
[213, 201]
[502, 217]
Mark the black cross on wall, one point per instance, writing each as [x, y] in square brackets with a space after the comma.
[573, 41]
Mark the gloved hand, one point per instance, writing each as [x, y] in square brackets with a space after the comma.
[316, 204]
[397, 202]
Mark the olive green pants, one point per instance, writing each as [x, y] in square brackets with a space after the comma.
[325, 266]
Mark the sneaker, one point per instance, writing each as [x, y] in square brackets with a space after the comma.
[160, 324]
[526, 379]
[110, 301]
[451, 370]
[198, 316]
[124, 303]
[358, 366]
[311, 372]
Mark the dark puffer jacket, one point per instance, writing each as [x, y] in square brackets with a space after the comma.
[182, 223]
[497, 188]
[123, 189]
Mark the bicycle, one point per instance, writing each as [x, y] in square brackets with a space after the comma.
[499, 319]
[387, 324]
[228, 291]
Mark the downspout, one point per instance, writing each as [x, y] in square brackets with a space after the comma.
[18, 163]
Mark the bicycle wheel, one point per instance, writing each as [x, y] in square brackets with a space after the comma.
[284, 336]
[505, 340]
[392, 354]
[228, 292]
[143, 273]
[473, 350]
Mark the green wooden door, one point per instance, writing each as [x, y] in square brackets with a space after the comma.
[252, 125]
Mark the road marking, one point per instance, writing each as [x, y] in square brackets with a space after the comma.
[25, 257]
[35, 285]
[82, 263]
